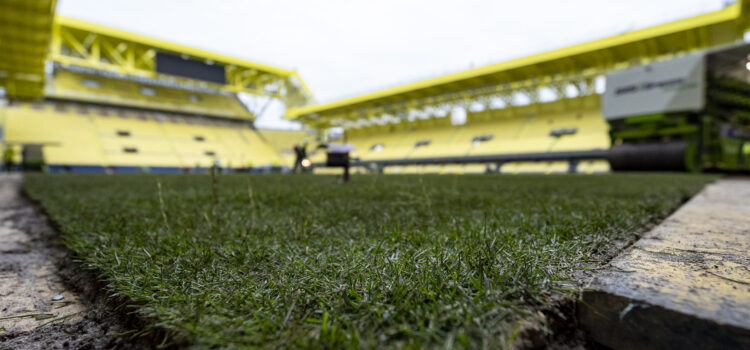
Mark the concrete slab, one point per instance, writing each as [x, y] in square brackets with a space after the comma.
[685, 284]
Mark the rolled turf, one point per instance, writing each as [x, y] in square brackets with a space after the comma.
[304, 261]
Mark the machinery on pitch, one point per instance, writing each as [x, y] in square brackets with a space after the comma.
[686, 114]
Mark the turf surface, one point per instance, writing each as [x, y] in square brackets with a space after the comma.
[275, 261]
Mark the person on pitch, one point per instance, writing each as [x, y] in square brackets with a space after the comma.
[300, 152]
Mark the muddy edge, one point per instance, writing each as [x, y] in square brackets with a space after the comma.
[36, 270]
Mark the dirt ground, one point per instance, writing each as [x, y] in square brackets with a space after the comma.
[46, 302]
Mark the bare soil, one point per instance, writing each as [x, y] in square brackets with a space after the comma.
[36, 271]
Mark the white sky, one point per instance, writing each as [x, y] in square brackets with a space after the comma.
[343, 48]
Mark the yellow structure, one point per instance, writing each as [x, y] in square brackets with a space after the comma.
[67, 85]
[574, 67]
[94, 98]
[283, 141]
[25, 34]
[525, 129]
[81, 44]
[83, 137]
[546, 103]
[90, 97]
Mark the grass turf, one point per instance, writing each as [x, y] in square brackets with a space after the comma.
[303, 261]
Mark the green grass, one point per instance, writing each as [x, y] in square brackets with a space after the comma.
[415, 261]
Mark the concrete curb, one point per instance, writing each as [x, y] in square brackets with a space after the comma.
[684, 285]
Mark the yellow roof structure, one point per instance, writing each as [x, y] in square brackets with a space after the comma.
[25, 28]
[31, 33]
[582, 61]
[83, 44]
[73, 23]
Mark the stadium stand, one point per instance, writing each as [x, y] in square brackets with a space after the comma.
[283, 141]
[115, 101]
[525, 132]
[68, 85]
[570, 125]
[95, 138]
[111, 100]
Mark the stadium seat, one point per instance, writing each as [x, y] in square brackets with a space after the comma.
[68, 85]
[574, 125]
[70, 137]
[79, 134]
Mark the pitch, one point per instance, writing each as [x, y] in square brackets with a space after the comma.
[242, 260]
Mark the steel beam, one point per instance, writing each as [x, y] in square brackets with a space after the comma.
[92, 46]
[572, 156]
[578, 65]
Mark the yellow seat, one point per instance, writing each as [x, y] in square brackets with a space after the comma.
[520, 130]
[76, 134]
[67, 85]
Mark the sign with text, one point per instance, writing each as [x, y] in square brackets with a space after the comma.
[677, 85]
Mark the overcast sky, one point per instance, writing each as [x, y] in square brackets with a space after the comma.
[343, 48]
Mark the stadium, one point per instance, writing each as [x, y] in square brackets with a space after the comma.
[590, 196]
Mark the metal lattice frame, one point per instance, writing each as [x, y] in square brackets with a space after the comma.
[83, 44]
